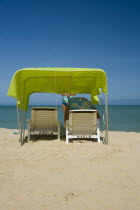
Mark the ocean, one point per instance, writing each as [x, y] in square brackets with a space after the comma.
[121, 117]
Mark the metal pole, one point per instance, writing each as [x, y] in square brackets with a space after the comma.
[106, 119]
[24, 123]
[21, 115]
[21, 130]
[19, 123]
[102, 114]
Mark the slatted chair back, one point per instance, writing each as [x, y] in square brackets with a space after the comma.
[83, 122]
[44, 118]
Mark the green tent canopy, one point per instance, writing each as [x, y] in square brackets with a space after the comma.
[56, 80]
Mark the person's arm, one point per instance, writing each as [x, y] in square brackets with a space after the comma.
[68, 94]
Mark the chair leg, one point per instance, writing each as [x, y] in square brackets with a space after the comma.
[98, 130]
[28, 132]
[67, 138]
[28, 136]
[21, 137]
[98, 135]
[58, 135]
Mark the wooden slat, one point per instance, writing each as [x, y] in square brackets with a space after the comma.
[83, 123]
[44, 119]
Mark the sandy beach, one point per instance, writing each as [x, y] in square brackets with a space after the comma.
[84, 175]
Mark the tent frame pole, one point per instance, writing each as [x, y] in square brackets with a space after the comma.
[21, 114]
[102, 112]
[106, 119]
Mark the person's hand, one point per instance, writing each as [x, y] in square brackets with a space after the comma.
[65, 94]
[68, 94]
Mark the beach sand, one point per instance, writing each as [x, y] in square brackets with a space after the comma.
[83, 175]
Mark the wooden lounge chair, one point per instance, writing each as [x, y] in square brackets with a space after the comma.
[82, 123]
[44, 121]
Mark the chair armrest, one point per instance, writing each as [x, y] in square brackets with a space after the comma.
[67, 124]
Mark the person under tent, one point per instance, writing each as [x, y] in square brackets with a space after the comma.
[65, 105]
[72, 103]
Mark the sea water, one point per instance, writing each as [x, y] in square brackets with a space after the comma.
[121, 117]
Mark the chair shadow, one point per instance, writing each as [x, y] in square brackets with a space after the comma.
[83, 140]
[35, 138]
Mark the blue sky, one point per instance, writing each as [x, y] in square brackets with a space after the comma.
[70, 33]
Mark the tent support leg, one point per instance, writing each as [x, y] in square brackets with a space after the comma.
[21, 123]
[106, 119]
